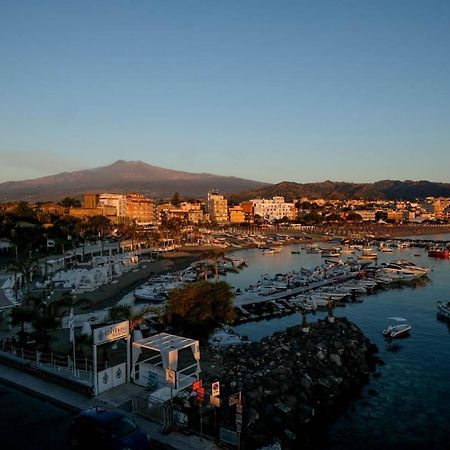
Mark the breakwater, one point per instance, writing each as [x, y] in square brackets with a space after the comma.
[295, 382]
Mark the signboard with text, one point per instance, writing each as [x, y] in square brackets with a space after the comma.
[110, 333]
[215, 389]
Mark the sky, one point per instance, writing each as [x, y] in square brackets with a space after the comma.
[270, 90]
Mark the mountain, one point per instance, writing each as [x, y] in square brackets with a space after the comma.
[120, 177]
[380, 190]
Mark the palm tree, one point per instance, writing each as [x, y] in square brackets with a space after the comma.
[44, 319]
[214, 257]
[26, 267]
[134, 317]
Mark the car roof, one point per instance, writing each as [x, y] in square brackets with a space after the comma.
[101, 415]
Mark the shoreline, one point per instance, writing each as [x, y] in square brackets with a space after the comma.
[108, 295]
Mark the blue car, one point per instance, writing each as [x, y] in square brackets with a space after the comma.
[102, 428]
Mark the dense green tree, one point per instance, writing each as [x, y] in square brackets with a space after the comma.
[200, 306]
[70, 202]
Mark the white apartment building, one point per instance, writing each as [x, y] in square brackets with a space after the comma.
[273, 209]
[217, 207]
[117, 200]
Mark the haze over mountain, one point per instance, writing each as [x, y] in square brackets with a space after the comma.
[121, 177]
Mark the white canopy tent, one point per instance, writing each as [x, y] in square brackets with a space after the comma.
[153, 355]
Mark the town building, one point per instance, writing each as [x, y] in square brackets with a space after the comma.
[236, 214]
[119, 201]
[140, 208]
[273, 209]
[217, 207]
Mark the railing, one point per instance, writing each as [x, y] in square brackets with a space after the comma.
[55, 363]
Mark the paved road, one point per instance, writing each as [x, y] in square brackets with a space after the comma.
[31, 423]
[27, 422]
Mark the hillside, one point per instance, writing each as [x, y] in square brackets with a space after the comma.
[380, 190]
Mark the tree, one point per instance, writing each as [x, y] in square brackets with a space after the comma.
[19, 316]
[175, 199]
[70, 202]
[44, 319]
[200, 306]
[67, 301]
[26, 267]
[126, 312]
[214, 257]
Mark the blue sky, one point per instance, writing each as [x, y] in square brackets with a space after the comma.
[268, 90]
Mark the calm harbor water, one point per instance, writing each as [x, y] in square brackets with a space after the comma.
[411, 410]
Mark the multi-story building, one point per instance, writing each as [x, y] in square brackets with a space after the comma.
[396, 216]
[236, 214]
[367, 215]
[90, 200]
[119, 201]
[273, 209]
[217, 207]
[440, 204]
[188, 212]
[249, 215]
[140, 208]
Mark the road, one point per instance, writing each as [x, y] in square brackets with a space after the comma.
[32, 423]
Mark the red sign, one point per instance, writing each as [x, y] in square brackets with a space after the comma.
[200, 394]
[196, 385]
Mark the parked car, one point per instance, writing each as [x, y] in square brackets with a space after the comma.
[102, 428]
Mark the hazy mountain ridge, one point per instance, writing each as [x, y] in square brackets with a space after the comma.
[158, 182]
[123, 176]
[380, 190]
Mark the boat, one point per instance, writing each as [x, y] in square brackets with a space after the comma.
[439, 252]
[443, 310]
[224, 336]
[150, 294]
[400, 330]
[368, 253]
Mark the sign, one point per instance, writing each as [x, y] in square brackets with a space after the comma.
[171, 378]
[196, 385]
[112, 332]
[238, 408]
[234, 399]
[215, 401]
[200, 394]
[239, 419]
[215, 389]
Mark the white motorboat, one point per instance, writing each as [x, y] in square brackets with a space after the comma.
[401, 329]
[150, 295]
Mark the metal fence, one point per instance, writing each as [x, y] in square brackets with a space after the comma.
[154, 409]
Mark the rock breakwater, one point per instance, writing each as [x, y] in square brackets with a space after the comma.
[294, 383]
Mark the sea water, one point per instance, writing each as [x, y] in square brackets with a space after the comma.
[410, 408]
